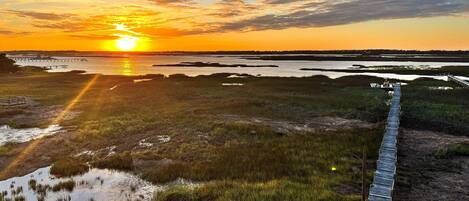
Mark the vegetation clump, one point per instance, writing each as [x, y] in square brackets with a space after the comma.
[7, 65]
[68, 185]
[461, 149]
[122, 161]
[437, 110]
[68, 167]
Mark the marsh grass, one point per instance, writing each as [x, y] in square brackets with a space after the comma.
[68, 185]
[281, 168]
[438, 110]
[122, 161]
[453, 150]
[67, 167]
[239, 161]
[9, 148]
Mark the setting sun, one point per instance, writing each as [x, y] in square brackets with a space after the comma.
[126, 43]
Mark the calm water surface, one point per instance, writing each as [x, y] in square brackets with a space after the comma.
[141, 65]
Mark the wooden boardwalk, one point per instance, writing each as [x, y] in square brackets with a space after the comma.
[459, 81]
[383, 181]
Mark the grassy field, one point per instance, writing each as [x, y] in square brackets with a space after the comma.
[438, 110]
[214, 138]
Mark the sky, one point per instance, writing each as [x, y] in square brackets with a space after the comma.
[191, 25]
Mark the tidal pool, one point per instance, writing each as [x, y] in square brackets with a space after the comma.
[97, 184]
[8, 134]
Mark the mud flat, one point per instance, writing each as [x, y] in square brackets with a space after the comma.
[429, 167]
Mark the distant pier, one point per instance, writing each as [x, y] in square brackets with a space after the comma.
[47, 59]
[459, 81]
[13, 101]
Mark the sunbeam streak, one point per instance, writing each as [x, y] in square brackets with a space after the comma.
[32, 146]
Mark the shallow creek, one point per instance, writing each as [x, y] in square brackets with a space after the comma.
[8, 134]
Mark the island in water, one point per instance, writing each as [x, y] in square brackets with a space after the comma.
[214, 64]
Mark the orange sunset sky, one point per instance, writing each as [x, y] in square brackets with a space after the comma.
[167, 25]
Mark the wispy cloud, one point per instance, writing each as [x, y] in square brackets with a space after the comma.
[330, 14]
[39, 15]
[93, 37]
[175, 3]
[14, 33]
[169, 18]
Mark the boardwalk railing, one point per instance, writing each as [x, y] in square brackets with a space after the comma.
[459, 81]
[383, 181]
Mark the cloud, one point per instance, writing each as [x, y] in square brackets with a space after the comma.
[132, 16]
[94, 37]
[280, 1]
[231, 8]
[330, 14]
[13, 33]
[39, 15]
[175, 3]
[170, 18]
[166, 32]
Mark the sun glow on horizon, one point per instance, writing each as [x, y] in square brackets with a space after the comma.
[127, 39]
[126, 43]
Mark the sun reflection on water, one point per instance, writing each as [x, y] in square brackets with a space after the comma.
[127, 68]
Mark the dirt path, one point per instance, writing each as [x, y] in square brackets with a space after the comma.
[423, 176]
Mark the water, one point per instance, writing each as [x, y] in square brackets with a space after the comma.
[97, 184]
[141, 65]
[8, 134]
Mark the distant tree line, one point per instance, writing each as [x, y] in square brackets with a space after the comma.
[7, 65]
[458, 53]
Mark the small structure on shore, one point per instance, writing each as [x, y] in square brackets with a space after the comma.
[386, 85]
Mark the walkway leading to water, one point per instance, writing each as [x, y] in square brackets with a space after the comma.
[383, 181]
[459, 81]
